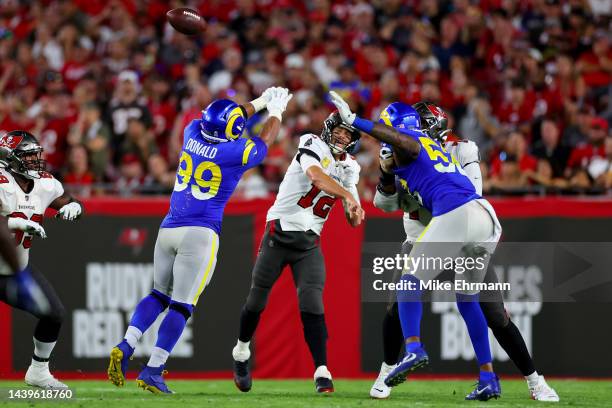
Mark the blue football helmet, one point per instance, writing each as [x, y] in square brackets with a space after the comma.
[400, 116]
[222, 121]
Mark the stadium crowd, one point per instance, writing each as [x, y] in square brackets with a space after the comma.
[108, 85]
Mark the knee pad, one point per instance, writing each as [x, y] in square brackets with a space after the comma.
[311, 300]
[161, 298]
[496, 315]
[183, 308]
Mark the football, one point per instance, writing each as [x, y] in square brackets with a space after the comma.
[186, 20]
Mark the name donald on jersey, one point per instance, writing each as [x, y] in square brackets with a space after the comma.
[201, 149]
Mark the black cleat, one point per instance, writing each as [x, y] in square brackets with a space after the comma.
[324, 385]
[242, 376]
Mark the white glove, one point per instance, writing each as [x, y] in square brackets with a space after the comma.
[263, 100]
[29, 226]
[279, 99]
[343, 108]
[351, 170]
[70, 211]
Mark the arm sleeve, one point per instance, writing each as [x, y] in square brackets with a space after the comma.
[469, 158]
[254, 152]
[387, 203]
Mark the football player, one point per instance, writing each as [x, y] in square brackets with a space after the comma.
[321, 172]
[213, 158]
[388, 198]
[461, 219]
[26, 191]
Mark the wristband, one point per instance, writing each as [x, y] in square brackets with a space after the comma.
[363, 124]
[259, 103]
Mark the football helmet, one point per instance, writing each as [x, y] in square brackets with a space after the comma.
[222, 121]
[22, 154]
[334, 120]
[400, 116]
[434, 119]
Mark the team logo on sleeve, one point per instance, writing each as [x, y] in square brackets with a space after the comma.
[10, 141]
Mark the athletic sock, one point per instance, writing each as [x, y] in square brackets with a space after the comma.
[315, 333]
[392, 335]
[533, 379]
[511, 340]
[486, 376]
[410, 307]
[171, 328]
[248, 324]
[147, 311]
[42, 350]
[132, 335]
[413, 346]
[477, 326]
[159, 356]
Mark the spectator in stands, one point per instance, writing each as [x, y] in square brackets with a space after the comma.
[77, 172]
[585, 162]
[91, 132]
[252, 185]
[131, 175]
[514, 154]
[126, 104]
[159, 178]
[139, 141]
[549, 149]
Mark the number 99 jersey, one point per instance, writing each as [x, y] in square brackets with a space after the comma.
[207, 176]
[29, 206]
[436, 179]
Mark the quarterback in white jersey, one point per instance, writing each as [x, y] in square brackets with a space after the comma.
[26, 191]
[416, 218]
[321, 172]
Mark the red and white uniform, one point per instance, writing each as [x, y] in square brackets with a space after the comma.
[299, 205]
[29, 206]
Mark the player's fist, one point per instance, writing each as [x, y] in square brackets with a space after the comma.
[279, 98]
[29, 226]
[343, 108]
[70, 211]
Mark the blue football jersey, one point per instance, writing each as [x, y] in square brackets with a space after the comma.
[435, 178]
[207, 176]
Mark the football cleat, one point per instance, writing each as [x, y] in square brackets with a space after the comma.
[38, 375]
[543, 392]
[410, 362]
[242, 376]
[323, 380]
[152, 379]
[379, 389]
[485, 390]
[119, 358]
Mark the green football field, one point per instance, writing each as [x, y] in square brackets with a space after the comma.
[300, 393]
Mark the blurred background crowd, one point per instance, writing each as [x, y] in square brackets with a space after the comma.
[108, 86]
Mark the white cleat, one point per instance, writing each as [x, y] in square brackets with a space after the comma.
[543, 392]
[38, 375]
[379, 389]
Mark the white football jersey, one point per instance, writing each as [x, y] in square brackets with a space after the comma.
[29, 206]
[299, 205]
[466, 153]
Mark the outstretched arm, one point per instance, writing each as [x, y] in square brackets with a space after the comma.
[275, 100]
[405, 147]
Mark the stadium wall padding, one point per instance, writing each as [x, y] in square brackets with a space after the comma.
[102, 265]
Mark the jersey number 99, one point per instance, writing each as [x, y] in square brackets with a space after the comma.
[206, 177]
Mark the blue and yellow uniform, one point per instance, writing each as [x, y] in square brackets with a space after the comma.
[435, 178]
[207, 176]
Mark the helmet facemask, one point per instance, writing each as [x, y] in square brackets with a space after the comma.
[330, 135]
[27, 163]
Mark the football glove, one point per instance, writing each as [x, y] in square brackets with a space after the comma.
[343, 108]
[70, 211]
[277, 104]
[263, 100]
[29, 226]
